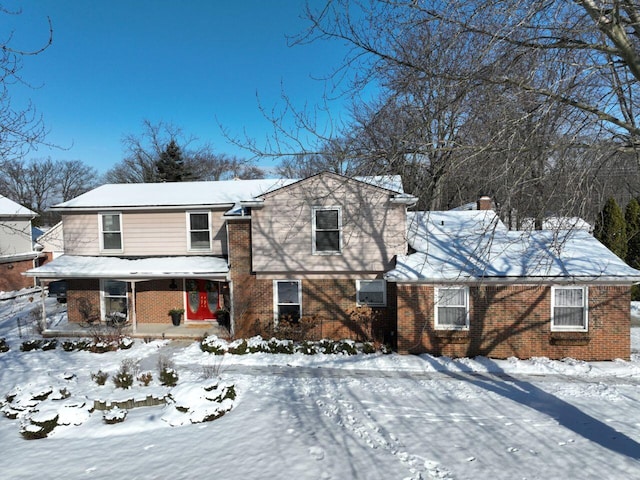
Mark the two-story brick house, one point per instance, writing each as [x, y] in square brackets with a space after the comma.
[261, 249]
[453, 283]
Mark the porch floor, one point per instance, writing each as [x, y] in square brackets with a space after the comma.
[143, 330]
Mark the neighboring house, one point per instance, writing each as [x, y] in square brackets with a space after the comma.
[314, 250]
[17, 252]
[51, 242]
[472, 287]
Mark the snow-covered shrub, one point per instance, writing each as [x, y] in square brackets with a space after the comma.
[38, 427]
[114, 415]
[129, 369]
[213, 345]
[49, 344]
[307, 348]
[100, 377]
[239, 347]
[29, 345]
[68, 346]
[167, 373]
[281, 346]
[347, 347]
[125, 343]
[4, 346]
[145, 378]
[258, 345]
[367, 347]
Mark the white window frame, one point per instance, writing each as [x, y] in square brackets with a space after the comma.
[102, 232]
[585, 309]
[314, 244]
[436, 307]
[276, 303]
[361, 302]
[191, 248]
[104, 296]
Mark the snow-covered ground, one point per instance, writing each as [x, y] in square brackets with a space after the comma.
[319, 417]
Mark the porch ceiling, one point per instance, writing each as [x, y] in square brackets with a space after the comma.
[73, 266]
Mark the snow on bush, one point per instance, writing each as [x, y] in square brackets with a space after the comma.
[195, 402]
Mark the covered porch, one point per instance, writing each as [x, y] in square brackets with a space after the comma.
[137, 295]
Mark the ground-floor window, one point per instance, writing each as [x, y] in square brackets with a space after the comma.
[371, 292]
[569, 308]
[113, 294]
[452, 308]
[287, 300]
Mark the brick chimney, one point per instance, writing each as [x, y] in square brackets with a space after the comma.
[484, 203]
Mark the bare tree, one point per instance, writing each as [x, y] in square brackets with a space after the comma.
[144, 152]
[20, 128]
[39, 183]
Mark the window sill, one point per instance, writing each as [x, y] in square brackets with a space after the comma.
[567, 338]
[326, 253]
[452, 336]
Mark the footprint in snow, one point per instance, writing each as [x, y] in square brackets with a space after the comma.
[317, 453]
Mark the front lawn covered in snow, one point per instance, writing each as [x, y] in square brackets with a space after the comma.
[321, 416]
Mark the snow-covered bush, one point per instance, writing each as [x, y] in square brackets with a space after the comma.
[145, 378]
[100, 377]
[114, 415]
[123, 378]
[38, 426]
[213, 345]
[29, 345]
[238, 347]
[49, 344]
[4, 346]
[167, 373]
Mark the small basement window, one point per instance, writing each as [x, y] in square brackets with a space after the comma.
[371, 292]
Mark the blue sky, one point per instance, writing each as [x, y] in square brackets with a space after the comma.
[194, 64]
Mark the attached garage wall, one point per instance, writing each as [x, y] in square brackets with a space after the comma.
[515, 321]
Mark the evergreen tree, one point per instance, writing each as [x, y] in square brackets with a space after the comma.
[632, 218]
[171, 166]
[610, 228]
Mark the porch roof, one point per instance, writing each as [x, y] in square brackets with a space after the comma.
[73, 266]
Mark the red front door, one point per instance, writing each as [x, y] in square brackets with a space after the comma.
[202, 299]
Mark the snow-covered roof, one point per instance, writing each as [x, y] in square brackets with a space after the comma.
[558, 223]
[186, 194]
[73, 266]
[172, 194]
[482, 249]
[12, 209]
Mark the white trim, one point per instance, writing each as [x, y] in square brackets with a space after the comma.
[101, 232]
[188, 221]
[275, 298]
[384, 292]
[585, 307]
[436, 306]
[314, 250]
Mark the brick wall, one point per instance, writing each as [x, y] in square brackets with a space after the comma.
[81, 293]
[325, 302]
[515, 321]
[11, 277]
[155, 298]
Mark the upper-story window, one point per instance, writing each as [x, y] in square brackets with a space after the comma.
[569, 308]
[327, 230]
[111, 232]
[199, 224]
